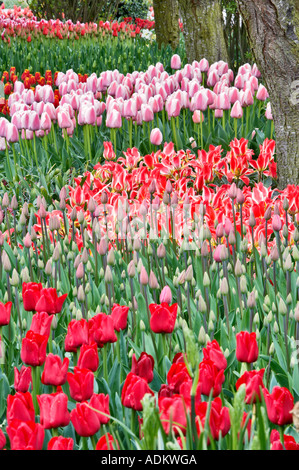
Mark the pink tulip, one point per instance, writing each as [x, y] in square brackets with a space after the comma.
[237, 110]
[175, 62]
[113, 119]
[156, 136]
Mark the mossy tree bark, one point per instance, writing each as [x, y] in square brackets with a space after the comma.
[167, 22]
[203, 30]
[273, 31]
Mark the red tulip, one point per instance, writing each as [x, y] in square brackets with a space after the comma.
[34, 349]
[288, 441]
[173, 411]
[20, 406]
[60, 443]
[41, 323]
[107, 442]
[177, 375]
[25, 435]
[89, 357]
[31, 294]
[253, 381]
[210, 377]
[213, 352]
[101, 329]
[163, 317]
[55, 370]
[5, 313]
[144, 367]
[219, 418]
[119, 316]
[77, 334]
[108, 153]
[53, 410]
[2, 439]
[133, 391]
[279, 405]
[23, 379]
[247, 347]
[81, 384]
[85, 421]
[100, 402]
[49, 301]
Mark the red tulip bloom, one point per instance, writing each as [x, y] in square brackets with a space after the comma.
[177, 375]
[144, 367]
[100, 402]
[85, 421]
[133, 391]
[55, 370]
[89, 357]
[119, 316]
[253, 381]
[279, 405]
[81, 384]
[53, 410]
[173, 411]
[289, 441]
[2, 440]
[214, 354]
[25, 435]
[107, 442]
[60, 443]
[101, 329]
[49, 301]
[5, 313]
[23, 379]
[77, 334]
[219, 418]
[163, 317]
[247, 347]
[41, 323]
[20, 406]
[31, 294]
[210, 377]
[34, 349]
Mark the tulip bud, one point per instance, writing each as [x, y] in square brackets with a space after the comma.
[166, 295]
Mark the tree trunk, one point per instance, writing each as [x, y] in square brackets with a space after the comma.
[167, 22]
[203, 30]
[273, 31]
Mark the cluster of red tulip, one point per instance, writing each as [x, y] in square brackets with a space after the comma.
[91, 411]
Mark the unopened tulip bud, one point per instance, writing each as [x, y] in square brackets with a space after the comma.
[15, 278]
[282, 308]
[251, 220]
[206, 280]
[111, 257]
[143, 277]
[223, 286]
[161, 251]
[108, 275]
[131, 269]
[80, 294]
[166, 295]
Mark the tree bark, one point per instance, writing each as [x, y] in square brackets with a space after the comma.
[167, 22]
[203, 30]
[273, 31]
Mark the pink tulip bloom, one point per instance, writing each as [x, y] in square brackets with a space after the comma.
[12, 134]
[156, 136]
[237, 110]
[113, 119]
[175, 62]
